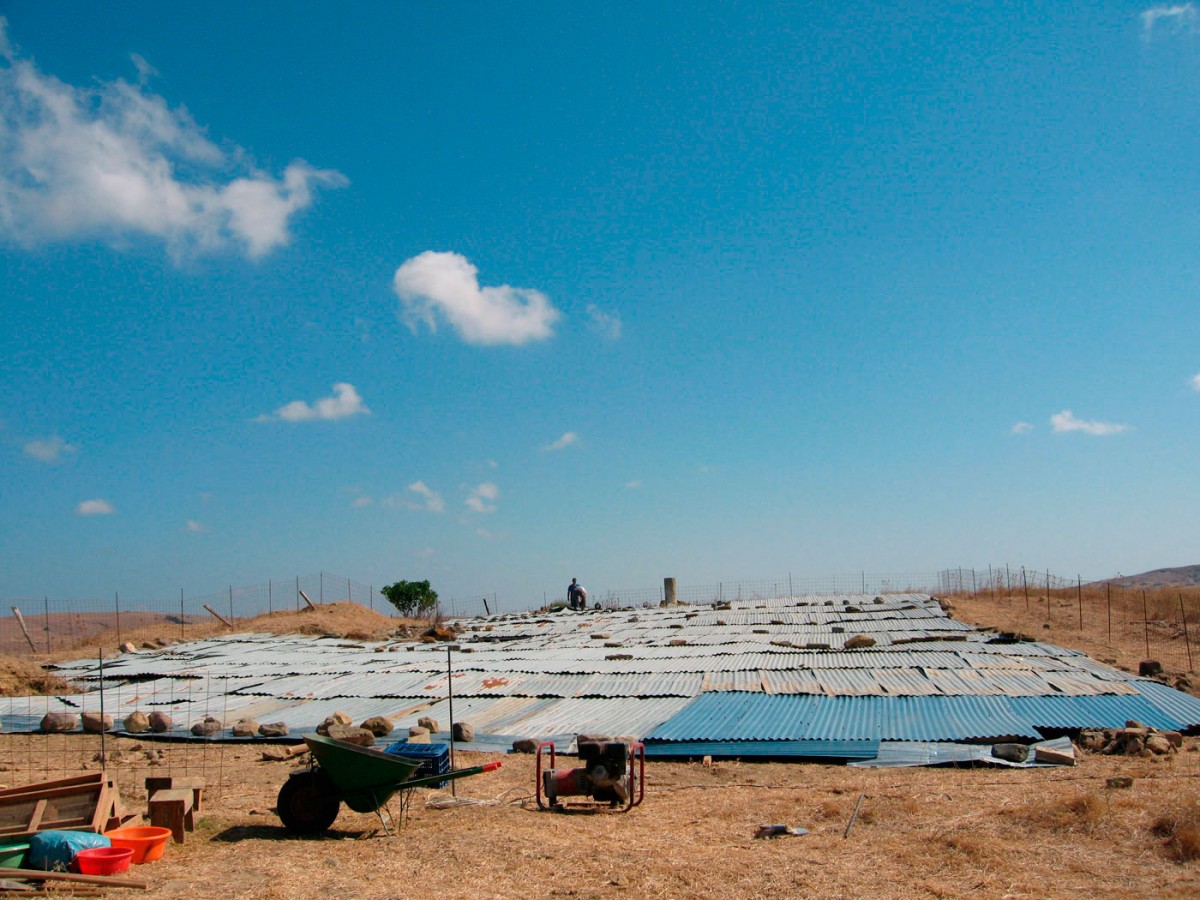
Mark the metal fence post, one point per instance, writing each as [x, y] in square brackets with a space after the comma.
[182, 635]
[270, 598]
[1187, 642]
[1146, 622]
[231, 616]
[117, 607]
[46, 608]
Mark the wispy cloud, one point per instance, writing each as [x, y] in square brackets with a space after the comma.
[633, 485]
[1065, 421]
[194, 527]
[49, 450]
[344, 403]
[605, 324]
[482, 498]
[1195, 382]
[115, 160]
[491, 535]
[361, 502]
[1022, 428]
[1178, 19]
[435, 287]
[95, 507]
[568, 439]
[430, 500]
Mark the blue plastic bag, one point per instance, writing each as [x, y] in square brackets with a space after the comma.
[52, 851]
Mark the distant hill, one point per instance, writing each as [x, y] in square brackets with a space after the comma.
[1180, 576]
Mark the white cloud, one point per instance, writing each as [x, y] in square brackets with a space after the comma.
[633, 484]
[605, 324]
[50, 449]
[483, 498]
[114, 160]
[1066, 421]
[360, 502]
[445, 286]
[1022, 428]
[1180, 18]
[95, 508]
[563, 442]
[344, 403]
[491, 535]
[430, 500]
[194, 527]
[1195, 382]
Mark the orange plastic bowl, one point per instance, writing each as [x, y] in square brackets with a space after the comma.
[102, 860]
[146, 842]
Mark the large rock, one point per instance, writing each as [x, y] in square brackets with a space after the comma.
[526, 745]
[1012, 752]
[207, 727]
[160, 722]
[378, 726]
[137, 722]
[1148, 668]
[96, 723]
[338, 718]
[430, 724]
[858, 641]
[273, 729]
[439, 633]
[127, 647]
[59, 722]
[245, 728]
[1054, 757]
[352, 735]
[1158, 744]
[464, 731]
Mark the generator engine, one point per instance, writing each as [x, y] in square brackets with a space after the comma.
[612, 772]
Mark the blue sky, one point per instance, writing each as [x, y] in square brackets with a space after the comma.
[497, 295]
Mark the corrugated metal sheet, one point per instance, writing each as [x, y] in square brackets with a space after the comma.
[1183, 708]
[1104, 711]
[827, 750]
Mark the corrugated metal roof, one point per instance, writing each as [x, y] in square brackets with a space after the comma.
[1183, 708]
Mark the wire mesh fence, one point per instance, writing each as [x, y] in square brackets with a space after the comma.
[1164, 621]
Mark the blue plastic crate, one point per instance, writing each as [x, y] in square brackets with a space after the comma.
[435, 759]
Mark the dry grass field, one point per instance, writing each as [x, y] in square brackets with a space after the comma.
[1053, 832]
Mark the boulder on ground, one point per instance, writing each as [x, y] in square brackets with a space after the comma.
[207, 727]
[464, 731]
[379, 726]
[160, 722]
[59, 722]
[429, 724]
[352, 735]
[127, 647]
[96, 723]
[137, 722]
[1158, 744]
[273, 729]
[1119, 781]
[859, 640]
[245, 728]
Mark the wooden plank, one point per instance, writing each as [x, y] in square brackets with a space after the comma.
[35, 820]
[218, 615]
[94, 779]
[106, 880]
[24, 630]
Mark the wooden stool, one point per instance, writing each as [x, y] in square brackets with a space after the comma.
[156, 783]
[172, 808]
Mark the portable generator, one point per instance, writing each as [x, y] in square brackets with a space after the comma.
[612, 773]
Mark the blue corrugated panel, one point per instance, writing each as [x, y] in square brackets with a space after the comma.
[738, 716]
[952, 719]
[1183, 707]
[847, 718]
[1099, 711]
[759, 749]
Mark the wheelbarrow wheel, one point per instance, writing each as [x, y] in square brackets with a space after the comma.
[308, 802]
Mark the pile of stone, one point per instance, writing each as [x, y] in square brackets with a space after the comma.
[1135, 739]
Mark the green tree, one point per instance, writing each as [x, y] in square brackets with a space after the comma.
[411, 598]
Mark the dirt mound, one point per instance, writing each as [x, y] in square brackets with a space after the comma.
[348, 620]
[24, 677]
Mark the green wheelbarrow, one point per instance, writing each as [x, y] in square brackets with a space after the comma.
[364, 779]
